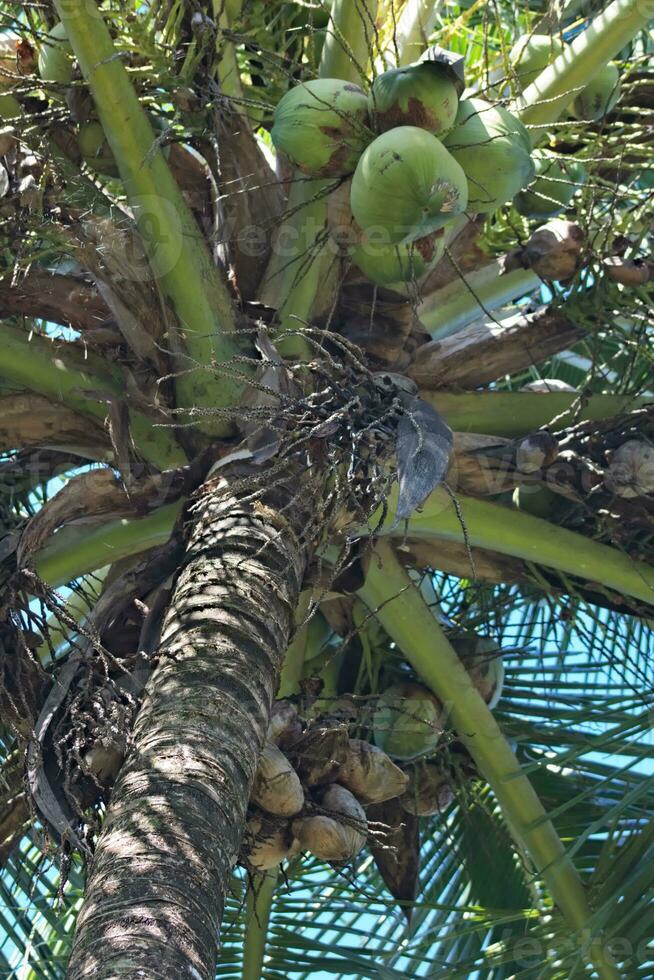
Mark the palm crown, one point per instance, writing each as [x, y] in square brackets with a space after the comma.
[325, 378]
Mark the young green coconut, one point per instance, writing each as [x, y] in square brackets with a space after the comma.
[322, 126]
[406, 185]
[531, 54]
[555, 185]
[370, 774]
[408, 721]
[55, 60]
[482, 658]
[386, 265]
[423, 94]
[599, 97]
[95, 149]
[327, 836]
[277, 788]
[494, 150]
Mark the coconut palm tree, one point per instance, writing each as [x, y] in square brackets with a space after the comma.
[307, 492]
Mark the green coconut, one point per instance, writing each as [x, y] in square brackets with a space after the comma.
[555, 185]
[600, 95]
[482, 658]
[408, 721]
[95, 150]
[322, 126]
[537, 500]
[531, 54]
[406, 185]
[406, 262]
[421, 95]
[494, 150]
[55, 61]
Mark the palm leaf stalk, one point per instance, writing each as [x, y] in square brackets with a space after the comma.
[259, 907]
[178, 253]
[556, 87]
[75, 378]
[489, 525]
[236, 600]
[413, 627]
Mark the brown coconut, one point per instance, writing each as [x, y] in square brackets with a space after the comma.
[277, 788]
[429, 791]
[267, 843]
[631, 470]
[338, 836]
[285, 725]
[370, 774]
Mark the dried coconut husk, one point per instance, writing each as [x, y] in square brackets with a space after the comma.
[267, 842]
[631, 469]
[429, 791]
[277, 788]
[370, 774]
[482, 658]
[320, 752]
[336, 837]
[285, 726]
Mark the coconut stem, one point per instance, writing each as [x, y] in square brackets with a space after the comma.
[291, 675]
[350, 40]
[400, 608]
[258, 909]
[497, 528]
[555, 88]
[174, 244]
[517, 413]
[225, 12]
[414, 25]
[75, 551]
[485, 289]
[65, 374]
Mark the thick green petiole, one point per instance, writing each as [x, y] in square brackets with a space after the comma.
[551, 93]
[175, 246]
[75, 551]
[497, 528]
[398, 605]
[83, 382]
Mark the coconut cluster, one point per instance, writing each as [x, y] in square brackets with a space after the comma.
[411, 157]
[310, 790]
[314, 781]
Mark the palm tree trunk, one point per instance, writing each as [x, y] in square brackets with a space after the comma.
[156, 887]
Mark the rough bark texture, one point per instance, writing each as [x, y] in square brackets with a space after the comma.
[32, 420]
[453, 558]
[68, 300]
[156, 887]
[486, 351]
